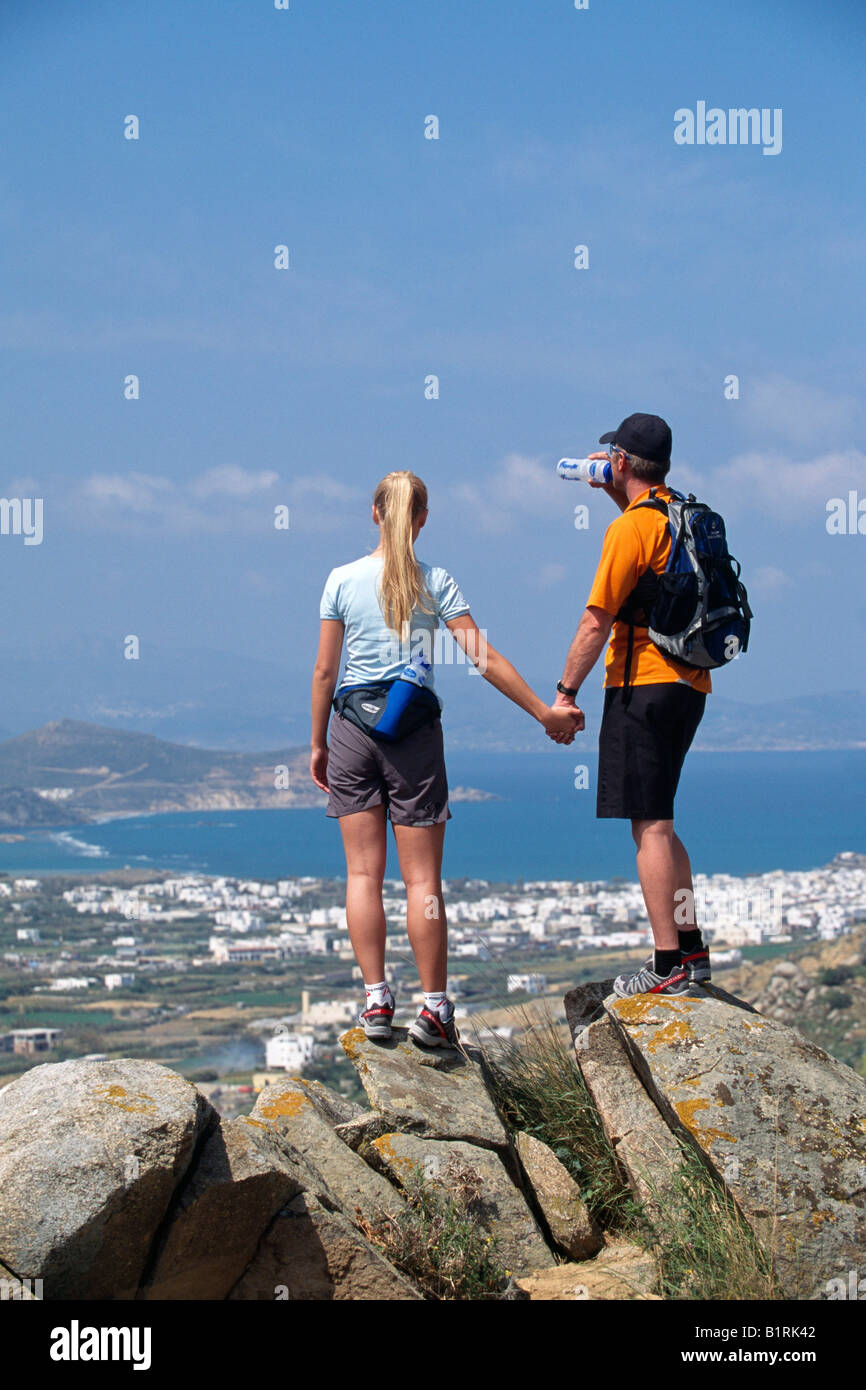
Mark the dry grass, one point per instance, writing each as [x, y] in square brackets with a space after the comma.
[437, 1241]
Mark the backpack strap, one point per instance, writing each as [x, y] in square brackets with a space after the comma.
[640, 597]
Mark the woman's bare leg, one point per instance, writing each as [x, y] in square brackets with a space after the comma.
[419, 848]
[365, 842]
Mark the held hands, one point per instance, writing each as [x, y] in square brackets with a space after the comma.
[563, 721]
[319, 768]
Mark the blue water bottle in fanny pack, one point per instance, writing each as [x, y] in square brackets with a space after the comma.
[404, 690]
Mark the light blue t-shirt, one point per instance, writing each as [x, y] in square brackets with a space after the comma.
[373, 651]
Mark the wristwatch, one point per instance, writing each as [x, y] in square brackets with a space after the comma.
[564, 690]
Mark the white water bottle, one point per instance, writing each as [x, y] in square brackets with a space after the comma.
[585, 470]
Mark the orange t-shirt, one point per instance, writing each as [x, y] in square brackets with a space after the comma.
[635, 540]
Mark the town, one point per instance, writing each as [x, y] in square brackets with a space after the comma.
[235, 981]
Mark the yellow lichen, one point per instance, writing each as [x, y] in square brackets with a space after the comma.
[678, 1030]
[286, 1103]
[637, 1008]
[686, 1110]
[819, 1217]
[383, 1146]
[122, 1099]
[350, 1043]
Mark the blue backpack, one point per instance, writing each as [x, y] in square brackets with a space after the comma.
[697, 610]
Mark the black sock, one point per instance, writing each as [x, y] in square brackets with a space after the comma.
[665, 961]
[690, 940]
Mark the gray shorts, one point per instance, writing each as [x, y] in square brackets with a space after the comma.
[407, 777]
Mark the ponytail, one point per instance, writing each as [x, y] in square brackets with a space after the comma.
[398, 499]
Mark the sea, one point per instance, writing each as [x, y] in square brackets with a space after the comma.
[737, 813]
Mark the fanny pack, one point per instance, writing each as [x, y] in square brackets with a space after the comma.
[364, 706]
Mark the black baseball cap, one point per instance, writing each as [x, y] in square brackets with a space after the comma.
[648, 436]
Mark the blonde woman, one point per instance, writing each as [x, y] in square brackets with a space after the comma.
[387, 606]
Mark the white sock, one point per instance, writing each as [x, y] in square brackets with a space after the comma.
[378, 994]
[435, 1002]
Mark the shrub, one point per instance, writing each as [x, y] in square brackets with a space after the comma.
[707, 1250]
[437, 1240]
[838, 999]
[835, 975]
[540, 1089]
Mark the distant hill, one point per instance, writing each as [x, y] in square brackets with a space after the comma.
[819, 988]
[813, 721]
[222, 699]
[18, 807]
[68, 771]
[485, 721]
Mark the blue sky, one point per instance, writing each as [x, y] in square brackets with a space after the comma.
[411, 257]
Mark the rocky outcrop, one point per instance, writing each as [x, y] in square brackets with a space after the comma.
[780, 1122]
[567, 1216]
[91, 1154]
[437, 1094]
[499, 1207]
[243, 1177]
[146, 1193]
[119, 1181]
[646, 1150]
[313, 1254]
[622, 1271]
[298, 1110]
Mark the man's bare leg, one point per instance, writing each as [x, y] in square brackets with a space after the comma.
[661, 863]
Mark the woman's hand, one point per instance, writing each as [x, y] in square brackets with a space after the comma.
[319, 768]
[562, 722]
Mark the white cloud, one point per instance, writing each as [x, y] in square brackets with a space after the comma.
[230, 480]
[141, 492]
[796, 411]
[783, 489]
[221, 499]
[210, 502]
[513, 488]
[549, 576]
[330, 489]
[769, 582]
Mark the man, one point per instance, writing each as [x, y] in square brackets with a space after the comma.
[652, 706]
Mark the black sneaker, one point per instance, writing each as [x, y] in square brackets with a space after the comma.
[432, 1030]
[377, 1020]
[697, 963]
[646, 981]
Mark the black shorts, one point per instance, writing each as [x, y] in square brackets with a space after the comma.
[642, 746]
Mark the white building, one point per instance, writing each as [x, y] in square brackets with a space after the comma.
[527, 984]
[290, 1051]
[119, 981]
[239, 919]
[230, 952]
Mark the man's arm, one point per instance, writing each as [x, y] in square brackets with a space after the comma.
[589, 640]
